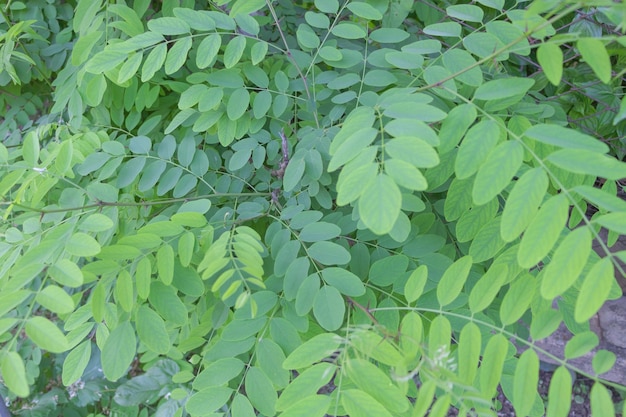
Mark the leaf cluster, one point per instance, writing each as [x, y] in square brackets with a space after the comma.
[362, 208]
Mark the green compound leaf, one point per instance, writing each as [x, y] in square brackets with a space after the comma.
[373, 381]
[601, 401]
[260, 391]
[313, 350]
[81, 244]
[118, 351]
[344, 281]
[503, 88]
[380, 203]
[479, 140]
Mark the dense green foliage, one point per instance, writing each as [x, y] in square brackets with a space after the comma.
[220, 208]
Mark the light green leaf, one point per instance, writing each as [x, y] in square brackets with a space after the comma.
[446, 29]
[313, 350]
[258, 52]
[601, 198]
[30, 149]
[563, 137]
[205, 402]
[168, 26]
[453, 279]
[603, 361]
[523, 203]
[596, 56]
[497, 171]
[311, 406]
[560, 393]
[581, 344]
[46, 335]
[83, 47]
[550, 57]
[360, 404]
[466, 12]
[412, 150]
[460, 61]
[63, 162]
[469, 353]
[405, 174]
[349, 30]
[487, 287]
[306, 37]
[55, 299]
[503, 88]
[293, 173]
[218, 373]
[491, 367]
[151, 330]
[613, 221]
[75, 363]
[260, 391]
[165, 264]
[415, 284]
[517, 299]
[351, 147]
[318, 231]
[374, 382]
[567, 263]
[329, 253]
[14, 374]
[584, 162]
[543, 231]
[105, 60]
[177, 55]
[238, 103]
[380, 203]
[130, 68]
[525, 382]
[594, 290]
[365, 10]
[66, 273]
[478, 142]
[118, 351]
[207, 50]
[601, 401]
[306, 384]
[234, 51]
[329, 308]
[344, 281]
[388, 270]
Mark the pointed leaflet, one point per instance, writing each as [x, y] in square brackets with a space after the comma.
[14, 374]
[380, 203]
[523, 202]
[468, 353]
[476, 145]
[118, 351]
[543, 231]
[453, 280]
[369, 378]
[560, 393]
[497, 171]
[550, 58]
[594, 290]
[525, 382]
[596, 56]
[567, 263]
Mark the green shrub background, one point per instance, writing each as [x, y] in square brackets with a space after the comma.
[204, 200]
